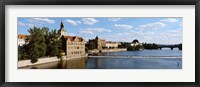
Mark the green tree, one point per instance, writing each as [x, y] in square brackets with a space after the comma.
[53, 43]
[63, 42]
[37, 46]
[19, 53]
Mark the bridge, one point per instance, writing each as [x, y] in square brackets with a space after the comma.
[179, 46]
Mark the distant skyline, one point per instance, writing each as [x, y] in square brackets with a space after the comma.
[160, 30]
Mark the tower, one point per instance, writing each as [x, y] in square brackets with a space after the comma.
[61, 31]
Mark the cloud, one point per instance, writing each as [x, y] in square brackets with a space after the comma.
[93, 30]
[175, 31]
[25, 24]
[35, 21]
[169, 20]
[46, 20]
[114, 19]
[122, 26]
[71, 34]
[79, 22]
[89, 21]
[86, 32]
[72, 22]
[155, 25]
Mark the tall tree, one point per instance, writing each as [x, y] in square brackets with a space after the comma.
[37, 46]
[53, 43]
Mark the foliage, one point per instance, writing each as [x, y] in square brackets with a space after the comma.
[41, 43]
[19, 53]
[123, 45]
[53, 43]
[137, 47]
[37, 46]
[150, 46]
[60, 54]
[92, 45]
[63, 43]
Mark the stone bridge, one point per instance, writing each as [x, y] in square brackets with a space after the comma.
[179, 46]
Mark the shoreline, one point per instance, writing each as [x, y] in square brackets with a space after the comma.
[27, 63]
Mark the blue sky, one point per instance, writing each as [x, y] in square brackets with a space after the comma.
[160, 30]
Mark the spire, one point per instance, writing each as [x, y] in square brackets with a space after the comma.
[61, 26]
[97, 37]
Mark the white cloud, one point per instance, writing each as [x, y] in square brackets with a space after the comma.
[46, 20]
[71, 34]
[89, 21]
[114, 19]
[122, 26]
[86, 32]
[169, 20]
[79, 22]
[123, 34]
[175, 31]
[155, 25]
[25, 24]
[35, 21]
[72, 22]
[94, 30]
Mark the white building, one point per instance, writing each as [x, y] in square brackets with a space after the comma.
[112, 44]
[22, 39]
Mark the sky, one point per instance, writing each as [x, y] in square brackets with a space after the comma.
[160, 30]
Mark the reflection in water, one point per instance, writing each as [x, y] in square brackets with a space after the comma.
[113, 63]
[120, 63]
[78, 63]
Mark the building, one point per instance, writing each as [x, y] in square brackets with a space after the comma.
[133, 44]
[74, 46]
[110, 44]
[23, 39]
[97, 43]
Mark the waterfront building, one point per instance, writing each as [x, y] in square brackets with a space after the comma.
[133, 44]
[74, 46]
[110, 44]
[23, 39]
[97, 43]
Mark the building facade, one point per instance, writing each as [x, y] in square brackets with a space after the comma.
[23, 39]
[97, 43]
[74, 46]
[112, 44]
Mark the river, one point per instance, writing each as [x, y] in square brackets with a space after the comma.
[157, 59]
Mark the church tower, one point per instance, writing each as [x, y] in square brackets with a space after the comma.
[61, 31]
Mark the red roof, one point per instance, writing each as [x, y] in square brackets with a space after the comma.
[72, 38]
[22, 36]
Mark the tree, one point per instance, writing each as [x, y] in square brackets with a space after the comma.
[53, 43]
[37, 46]
[63, 42]
[19, 53]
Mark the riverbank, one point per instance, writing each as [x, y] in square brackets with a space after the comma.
[26, 63]
[106, 50]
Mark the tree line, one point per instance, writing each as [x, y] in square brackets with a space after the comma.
[42, 42]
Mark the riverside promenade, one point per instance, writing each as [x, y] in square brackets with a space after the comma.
[25, 63]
